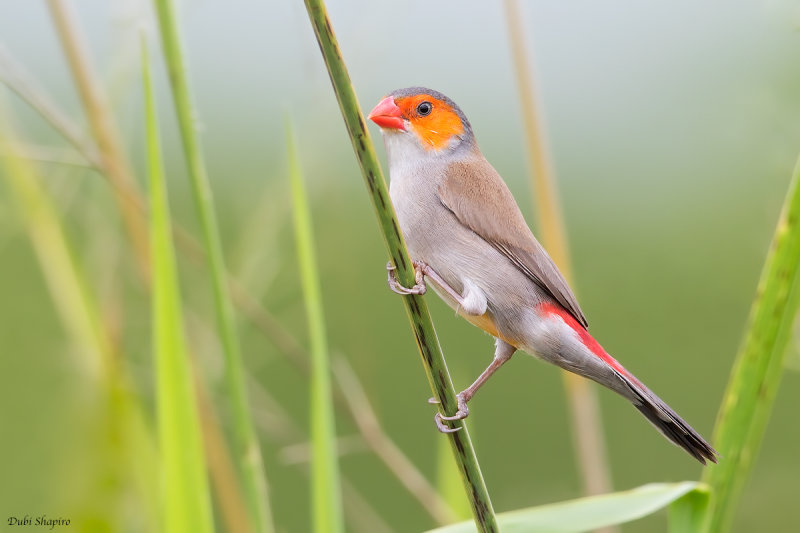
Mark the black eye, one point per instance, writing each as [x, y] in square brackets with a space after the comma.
[424, 109]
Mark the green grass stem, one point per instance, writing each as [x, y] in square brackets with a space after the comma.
[187, 504]
[416, 307]
[326, 499]
[757, 372]
[247, 453]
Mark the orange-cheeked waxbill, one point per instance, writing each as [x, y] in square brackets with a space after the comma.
[470, 242]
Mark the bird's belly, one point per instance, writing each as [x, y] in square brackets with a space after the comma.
[457, 254]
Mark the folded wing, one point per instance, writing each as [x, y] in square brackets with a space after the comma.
[479, 198]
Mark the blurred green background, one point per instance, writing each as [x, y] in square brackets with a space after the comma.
[674, 128]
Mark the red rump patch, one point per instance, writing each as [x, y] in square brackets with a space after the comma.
[583, 335]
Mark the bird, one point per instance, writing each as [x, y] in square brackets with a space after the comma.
[469, 241]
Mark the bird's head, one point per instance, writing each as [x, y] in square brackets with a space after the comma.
[422, 120]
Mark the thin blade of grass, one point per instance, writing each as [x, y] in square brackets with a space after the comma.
[282, 428]
[326, 498]
[102, 125]
[65, 282]
[757, 372]
[16, 78]
[46, 154]
[393, 457]
[416, 307]
[187, 505]
[247, 452]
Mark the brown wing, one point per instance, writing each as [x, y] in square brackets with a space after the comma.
[480, 199]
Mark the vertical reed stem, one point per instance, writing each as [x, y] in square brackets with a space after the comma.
[416, 307]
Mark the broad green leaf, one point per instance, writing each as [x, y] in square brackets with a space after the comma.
[686, 514]
[586, 514]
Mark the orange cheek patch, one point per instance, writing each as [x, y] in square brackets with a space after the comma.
[434, 130]
[438, 128]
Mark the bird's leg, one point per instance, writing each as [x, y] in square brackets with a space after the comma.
[472, 300]
[503, 352]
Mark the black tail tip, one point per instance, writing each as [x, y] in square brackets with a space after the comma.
[701, 451]
[675, 429]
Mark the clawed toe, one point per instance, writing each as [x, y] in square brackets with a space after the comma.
[461, 414]
[397, 287]
[441, 426]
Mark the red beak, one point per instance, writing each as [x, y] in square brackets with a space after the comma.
[387, 115]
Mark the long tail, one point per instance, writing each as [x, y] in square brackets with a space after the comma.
[667, 421]
[597, 365]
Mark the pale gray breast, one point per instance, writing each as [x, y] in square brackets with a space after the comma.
[435, 236]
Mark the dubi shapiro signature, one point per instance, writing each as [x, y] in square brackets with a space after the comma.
[41, 520]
